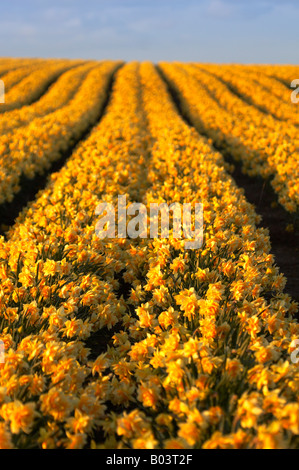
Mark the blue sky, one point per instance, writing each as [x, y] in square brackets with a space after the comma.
[252, 31]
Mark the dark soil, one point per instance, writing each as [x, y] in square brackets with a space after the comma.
[285, 245]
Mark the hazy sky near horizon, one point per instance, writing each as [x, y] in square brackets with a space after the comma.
[252, 31]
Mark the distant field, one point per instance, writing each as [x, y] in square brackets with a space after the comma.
[139, 342]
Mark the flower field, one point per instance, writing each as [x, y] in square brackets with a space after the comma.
[123, 343]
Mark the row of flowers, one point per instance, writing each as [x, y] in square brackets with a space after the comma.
[30, 150]
[13, 72]
[200, 350]
[53, 390]
[265, 146]
[26, 84]
[58, 95]
[284, 73]
[122, 343]
[9, 64]
[265, 92]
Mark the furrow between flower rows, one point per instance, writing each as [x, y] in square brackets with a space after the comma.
[30, 150]
[265, 146]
